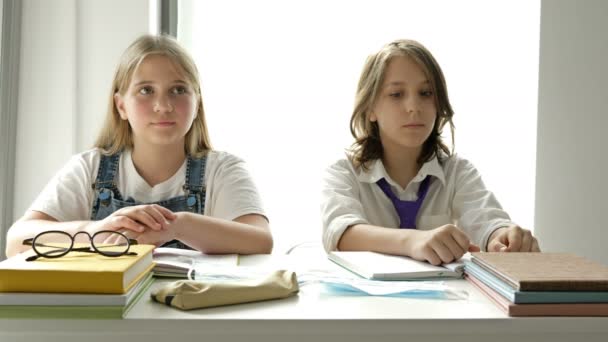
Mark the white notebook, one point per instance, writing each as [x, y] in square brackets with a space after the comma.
[377, 266]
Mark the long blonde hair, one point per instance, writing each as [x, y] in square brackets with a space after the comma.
[367, 145]
[116, 133]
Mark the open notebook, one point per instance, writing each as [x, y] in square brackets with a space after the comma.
[176, 263]
[377, 266]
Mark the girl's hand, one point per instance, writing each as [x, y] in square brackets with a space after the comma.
[154, 237]
[512, 239]
[440, 245]
[136, 218]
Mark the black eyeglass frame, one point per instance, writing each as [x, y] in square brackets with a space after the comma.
[113, 254]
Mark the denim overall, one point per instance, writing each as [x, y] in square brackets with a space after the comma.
[108, 199]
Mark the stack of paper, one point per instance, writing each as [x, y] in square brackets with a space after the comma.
[541, 284]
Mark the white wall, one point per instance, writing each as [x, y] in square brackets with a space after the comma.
[69, 50]
[571, 183]
[301, 93]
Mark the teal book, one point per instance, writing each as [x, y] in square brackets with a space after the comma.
[533, 297]
[76, 311]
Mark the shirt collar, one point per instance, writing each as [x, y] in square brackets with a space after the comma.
[377, 171]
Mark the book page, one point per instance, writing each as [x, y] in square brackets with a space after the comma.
[176, 262]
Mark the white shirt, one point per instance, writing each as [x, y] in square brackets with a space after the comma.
[456, 195]
[69, 195]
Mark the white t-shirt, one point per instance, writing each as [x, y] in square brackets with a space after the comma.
[69, 196]
[457, 195]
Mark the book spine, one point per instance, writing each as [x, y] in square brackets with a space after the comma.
[61, 282]
[61, 312]
[563, 285]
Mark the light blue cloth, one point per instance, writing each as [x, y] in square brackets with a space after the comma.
[355, 286]
[437, 293]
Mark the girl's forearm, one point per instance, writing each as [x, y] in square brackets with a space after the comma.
[25, 229]
[365, 237]
[217, 236]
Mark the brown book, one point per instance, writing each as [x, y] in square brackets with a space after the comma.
[543, 309]
[545, 271]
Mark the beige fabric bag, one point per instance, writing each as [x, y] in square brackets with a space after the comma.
[192, 294]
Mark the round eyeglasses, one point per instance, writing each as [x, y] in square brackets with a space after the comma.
[57, 243]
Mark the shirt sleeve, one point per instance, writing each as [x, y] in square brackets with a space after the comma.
[476, 209]
[68, 196]
[233, 191]
[340, 204]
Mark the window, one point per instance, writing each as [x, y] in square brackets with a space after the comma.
[2, 178]
[279, 80]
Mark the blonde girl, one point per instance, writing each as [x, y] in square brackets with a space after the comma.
[153, 175]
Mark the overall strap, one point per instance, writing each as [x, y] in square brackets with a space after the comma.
[108, 166]
[195, 182]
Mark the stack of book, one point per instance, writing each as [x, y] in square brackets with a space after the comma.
[541, 284]
[77, 285]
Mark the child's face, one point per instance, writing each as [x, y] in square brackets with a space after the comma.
[159, 103]
[405, 108]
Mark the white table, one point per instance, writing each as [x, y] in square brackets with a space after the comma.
[316, 316]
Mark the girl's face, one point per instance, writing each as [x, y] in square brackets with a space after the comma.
[405, 108]
[159, 103]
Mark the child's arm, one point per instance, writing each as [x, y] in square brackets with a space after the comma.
[480, 214]
[441, 245]
[136, 218]
[247, 234]
[33, 223]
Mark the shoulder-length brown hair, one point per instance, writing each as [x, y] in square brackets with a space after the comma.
[116, 133]
[367, 146]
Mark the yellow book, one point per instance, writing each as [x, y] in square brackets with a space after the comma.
[76, 272]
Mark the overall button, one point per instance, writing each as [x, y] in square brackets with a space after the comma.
[104, 197]
[191, 201]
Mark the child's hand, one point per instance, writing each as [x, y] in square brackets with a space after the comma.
[136, 218]
[512, 239]
[441, 245]
[154, 237]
